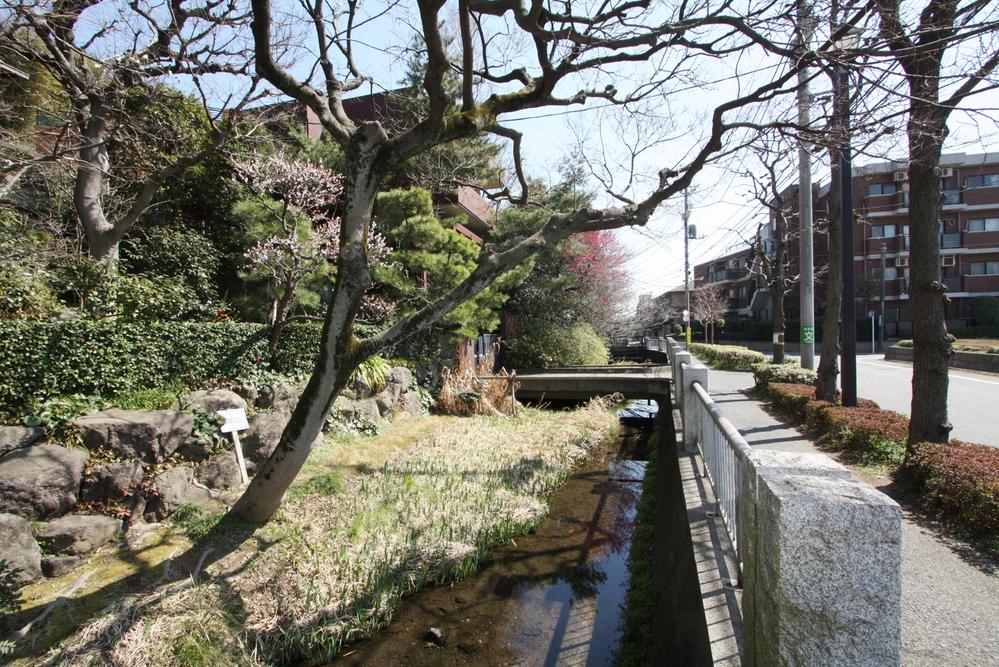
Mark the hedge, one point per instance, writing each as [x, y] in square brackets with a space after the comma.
[789, 372]
[875, 434]
[962, 481]
[727, 357]
[107, 357]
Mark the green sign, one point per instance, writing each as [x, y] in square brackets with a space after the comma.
[807, 333]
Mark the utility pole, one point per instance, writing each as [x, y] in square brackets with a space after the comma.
[848, 351]
[806, 255]
[686, 261]
[881, 334]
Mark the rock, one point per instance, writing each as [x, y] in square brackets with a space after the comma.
[385, 403]
[222, 472]
[411, 403]
[368, 408]
[77, 534]
[135, 505]
[349, 393]
[41, 481]
[18, 547]
[283, 397]
[113, 480]
[208, 401]
[148, 435]
[401, 377]
[56, 566]
[260, 440]
[434, 636]
[247, 393]
[196, 448]
[175, 487]
[17, 437]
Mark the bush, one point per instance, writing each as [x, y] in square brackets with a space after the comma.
[24, 296]
[40, 360]
[727, 357]
[877, 435]
[548, 346]
[790, 372]
[962, 481]
[985, 309]
[905, 342]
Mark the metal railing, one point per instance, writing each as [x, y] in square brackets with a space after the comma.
[723, 450]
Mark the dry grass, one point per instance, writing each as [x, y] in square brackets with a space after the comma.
[336, 563]
[472, 389]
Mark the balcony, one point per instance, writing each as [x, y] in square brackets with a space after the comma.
[951, 197]
[949, 241]
[952, 284]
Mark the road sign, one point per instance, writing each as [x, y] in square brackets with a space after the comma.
[807, 333]
[686, 315]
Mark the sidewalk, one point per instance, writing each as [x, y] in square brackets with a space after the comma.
[950, 594]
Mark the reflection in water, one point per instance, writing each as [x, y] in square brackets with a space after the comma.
[550, 598]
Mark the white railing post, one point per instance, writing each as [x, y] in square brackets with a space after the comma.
[693, 422]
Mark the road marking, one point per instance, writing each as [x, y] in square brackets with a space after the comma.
[953, 376]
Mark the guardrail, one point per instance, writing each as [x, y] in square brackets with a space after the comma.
[724, 451]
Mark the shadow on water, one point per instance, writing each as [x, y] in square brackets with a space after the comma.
[553, 597]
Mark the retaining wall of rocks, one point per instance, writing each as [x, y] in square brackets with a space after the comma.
[59, 504]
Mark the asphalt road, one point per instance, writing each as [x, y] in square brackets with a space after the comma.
[972, 400]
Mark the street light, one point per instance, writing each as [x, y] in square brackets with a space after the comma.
[848, 354]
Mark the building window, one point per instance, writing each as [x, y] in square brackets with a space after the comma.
[882, 231]
[981, 181]
[983, 268]
[891, 273]
[876, 189]
[984, 225]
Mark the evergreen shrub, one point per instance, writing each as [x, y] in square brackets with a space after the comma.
[43, 359]
[727, 357]
[961, 480]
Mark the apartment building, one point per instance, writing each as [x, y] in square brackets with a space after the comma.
[969, 242]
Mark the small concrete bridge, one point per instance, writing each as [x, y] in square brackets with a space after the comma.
[585, 382]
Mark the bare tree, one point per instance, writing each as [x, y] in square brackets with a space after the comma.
[947, 53]
[564, 50]
[97, 51]
[769, 258]
[708, 306]
[651, 312]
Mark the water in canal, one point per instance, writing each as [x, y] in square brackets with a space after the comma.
[553, 597]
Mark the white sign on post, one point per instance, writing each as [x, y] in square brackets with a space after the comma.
[686, 315]
[235, 421]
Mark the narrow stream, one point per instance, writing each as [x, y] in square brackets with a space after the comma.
[554, 597]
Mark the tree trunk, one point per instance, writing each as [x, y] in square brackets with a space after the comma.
[91, 175]
[337, 349]
[930, 342]
[828, 371]
[281, 311]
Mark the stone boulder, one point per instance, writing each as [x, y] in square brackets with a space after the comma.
[197, 448]
[148, 435]
[282, 397]
[41, 481]
[260, 440]
[208, 401]
[248, 393]
[410, 403]
[400, 376]
[18, 437]
[385, 402]
[18, 547]
[222, 472]
[175, 487]
[56, 566]
[366, 408]
[113, 480]
[77, 534]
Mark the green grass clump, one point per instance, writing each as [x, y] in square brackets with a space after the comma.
[195, 520]
[635, 648]
[160, 398]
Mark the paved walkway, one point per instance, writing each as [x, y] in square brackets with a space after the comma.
[950, 594]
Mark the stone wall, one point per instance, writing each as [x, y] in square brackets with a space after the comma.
[972, 361]
[59, 504]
